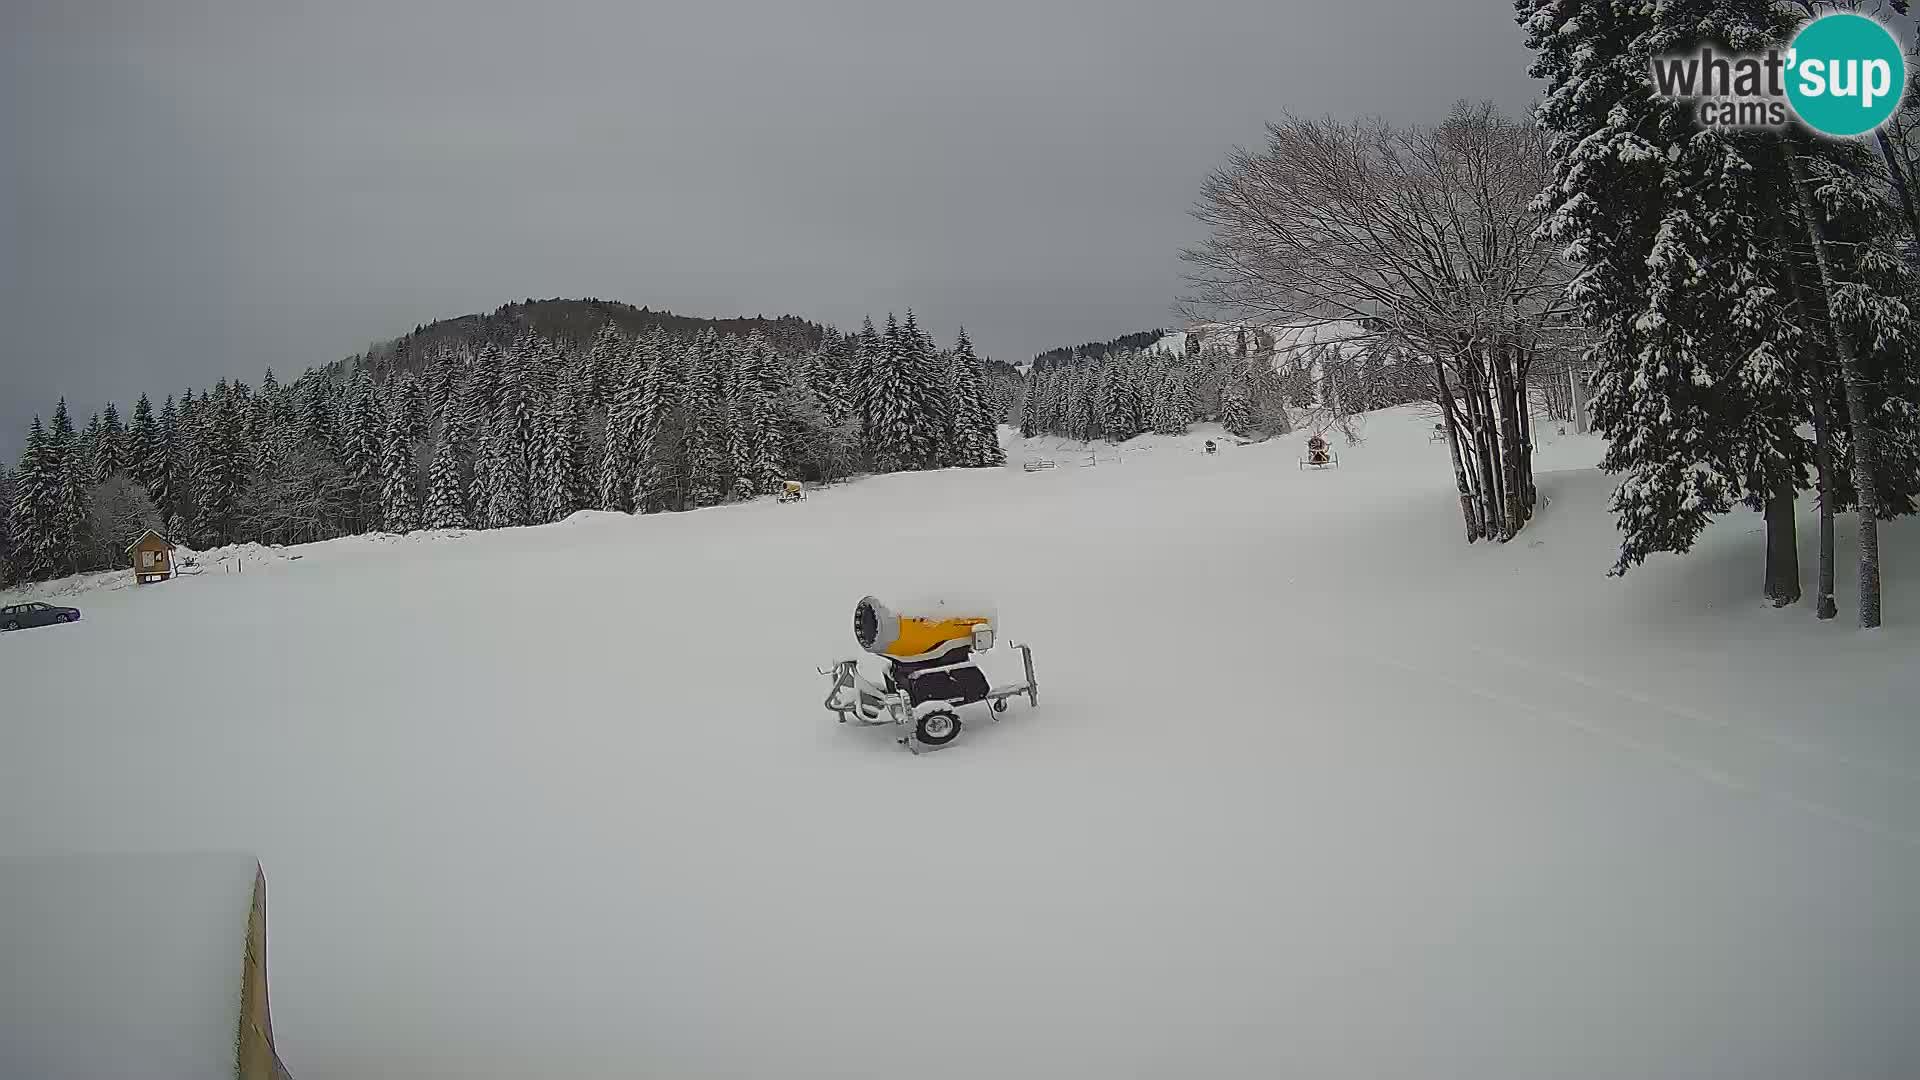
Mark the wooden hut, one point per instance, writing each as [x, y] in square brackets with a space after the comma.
[152, 557]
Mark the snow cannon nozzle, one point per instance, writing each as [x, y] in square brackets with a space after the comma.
[921, 631]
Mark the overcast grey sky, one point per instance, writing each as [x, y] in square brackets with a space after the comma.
[197, 188]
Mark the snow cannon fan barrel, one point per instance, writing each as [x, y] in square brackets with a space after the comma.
[920, 631]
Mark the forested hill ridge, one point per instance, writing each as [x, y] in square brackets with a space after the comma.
[514, 419]
[1093, 350]
[573, 324]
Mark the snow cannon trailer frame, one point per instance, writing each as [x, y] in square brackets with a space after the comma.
[1320, 455]
[930, 675]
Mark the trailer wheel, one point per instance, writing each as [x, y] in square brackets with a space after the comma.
[938, 727]
[999, 704]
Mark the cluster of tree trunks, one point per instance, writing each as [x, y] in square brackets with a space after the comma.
[1490, 437]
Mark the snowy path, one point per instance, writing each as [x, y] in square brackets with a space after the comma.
[1314, 789]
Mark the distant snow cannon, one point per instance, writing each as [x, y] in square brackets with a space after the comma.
[929, 647]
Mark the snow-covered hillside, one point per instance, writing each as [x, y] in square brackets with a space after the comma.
[1314, 788]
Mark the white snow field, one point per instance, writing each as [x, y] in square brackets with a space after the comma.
[1314, 789]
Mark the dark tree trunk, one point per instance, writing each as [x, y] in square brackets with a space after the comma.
[1811, 383]
[1512, 484]
[1823, 605]
[1783, 547]
[1472, 378]
[1469, 513]
[1491, 466]
[1866, 494]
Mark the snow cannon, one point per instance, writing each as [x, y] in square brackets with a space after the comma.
[921, 631]
[929, 648]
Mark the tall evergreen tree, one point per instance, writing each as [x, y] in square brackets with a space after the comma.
[9, 491]
[165, 479]
[89, 457]
[926, 420]
[551, 457]
[218, 470]
[399, 499]
[143, 435]
[36, 508]
[73, 518]
[977, 432]
[1675, 228]
[503, 499]
[869, 358]
[446, 488]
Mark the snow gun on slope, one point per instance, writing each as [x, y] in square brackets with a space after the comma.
[930, 672]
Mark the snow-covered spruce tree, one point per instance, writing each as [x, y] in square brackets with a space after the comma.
[869, 358]
[110, 447]
[1674, 228]
[917, 437]
[585, 421]
[360, 428]
[399, 499]
[479, 394]
[976, 431]
[263, 419]
[73, 517]
[161, 472]
[1172, 407]
[522, 382]
[318, 402]
[830, 374]
[658, 442]
[555, 476]
[703, 423]
[1118, 396]
[36, 508]
[446, 487]
[891, 401]
[606, 362]
[1236, 409]
[9, 491]
[142, 435]
[768, 393]
[442, 383]
[619, 458]
[503, 499]
[361, 432]
[1033, 403]
[219, 469]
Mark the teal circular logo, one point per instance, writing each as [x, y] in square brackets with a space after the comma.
[1845, 74]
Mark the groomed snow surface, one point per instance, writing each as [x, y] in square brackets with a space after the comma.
[122, 966]
[1314, 788]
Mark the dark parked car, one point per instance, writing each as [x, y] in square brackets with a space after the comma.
[21, 616]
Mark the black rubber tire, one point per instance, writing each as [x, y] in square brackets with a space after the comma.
[63, 618]
[11, 626]
[945, 724]
[999, 704]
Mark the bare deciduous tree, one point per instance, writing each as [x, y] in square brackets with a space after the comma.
[1421, 245]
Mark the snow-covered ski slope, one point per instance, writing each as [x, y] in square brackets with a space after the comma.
[1314, 788]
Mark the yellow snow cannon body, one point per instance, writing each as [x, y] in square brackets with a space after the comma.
[930, 671]
[919, 632]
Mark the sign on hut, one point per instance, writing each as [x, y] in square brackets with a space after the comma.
[152, 557]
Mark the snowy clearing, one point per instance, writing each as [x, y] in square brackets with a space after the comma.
[1314, 788]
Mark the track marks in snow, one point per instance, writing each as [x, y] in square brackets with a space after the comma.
[1784, 742]
[1708, 772]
